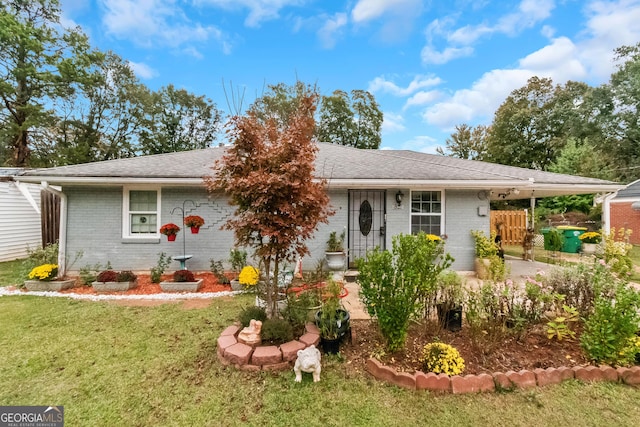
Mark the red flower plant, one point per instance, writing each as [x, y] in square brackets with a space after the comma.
[169, 229]
[194, 221]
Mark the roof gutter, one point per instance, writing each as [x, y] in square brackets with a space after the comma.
[62, 235]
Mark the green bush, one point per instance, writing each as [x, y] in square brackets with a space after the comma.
[183, 276]
[394, 284]
[298, 306]
[252, 312]
[276, 331]
[612, 326]
[163, 263]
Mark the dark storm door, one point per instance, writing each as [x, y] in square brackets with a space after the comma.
[367, 222]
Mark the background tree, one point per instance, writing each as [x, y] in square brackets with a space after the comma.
[268, 175]
[525, 131]
[100, 121]
[354, 120]
[177, 120]
[38, 62]
[619, 106]
[467, 142]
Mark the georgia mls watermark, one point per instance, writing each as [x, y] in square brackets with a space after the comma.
[31, 416]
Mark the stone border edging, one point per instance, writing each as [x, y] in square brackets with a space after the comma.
[524, 379]
[263, 358]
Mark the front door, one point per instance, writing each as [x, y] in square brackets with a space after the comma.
[367, 225]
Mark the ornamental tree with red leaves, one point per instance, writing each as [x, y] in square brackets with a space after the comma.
[268, 175]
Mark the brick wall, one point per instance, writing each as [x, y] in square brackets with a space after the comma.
[623, 216]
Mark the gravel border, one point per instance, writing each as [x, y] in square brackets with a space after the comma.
[153, 297]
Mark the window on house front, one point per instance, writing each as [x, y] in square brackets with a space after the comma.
[426, 212]
[141, 216]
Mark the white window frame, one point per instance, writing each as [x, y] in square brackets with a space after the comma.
[441, 214]
[126, 217]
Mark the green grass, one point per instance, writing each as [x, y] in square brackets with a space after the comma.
[10, 273]
[144, 366]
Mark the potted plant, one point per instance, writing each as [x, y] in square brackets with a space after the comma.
[238, 259]
[332, 319]
[488, 264]
[183, 281]
[449, 296]
[170, 230]
[112, 281]
[44, 278]
[195, 222]
[590, 241]
[335, 253]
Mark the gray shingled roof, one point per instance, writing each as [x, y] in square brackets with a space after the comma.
[342, 166]
[630, 191]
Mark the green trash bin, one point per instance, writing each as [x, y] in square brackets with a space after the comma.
[571, 236]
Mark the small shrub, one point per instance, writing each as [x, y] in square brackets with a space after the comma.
[238, 259]
[126, 276]
[560, 328]
[297, 310]
[89, 273]
[611, 326]
[156, 272]
[576, 283]
[393, 284]
[616, 250]
[107, 276]
[183, 276]
[485, 247]
[441, 358]
[217, 268]
[252, 312]
[39, 256]
[276, 331]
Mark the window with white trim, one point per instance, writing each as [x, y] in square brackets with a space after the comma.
[141, 212]
[426, 212]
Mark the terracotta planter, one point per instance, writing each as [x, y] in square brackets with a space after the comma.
[181, 286]
[195, 230]
[171, 237]
[113, 286]
[51, 286]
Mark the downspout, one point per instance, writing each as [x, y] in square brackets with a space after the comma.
[606, 212]
[62, 234]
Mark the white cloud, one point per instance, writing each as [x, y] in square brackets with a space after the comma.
[155, 22]
[422, 143]
[423, 98]
[381, 84]
[332, 29]
[259, 10]
[431, 56]
[460, 41]
[392, 123]
[142, 70]
[367, 10]
[609, 25]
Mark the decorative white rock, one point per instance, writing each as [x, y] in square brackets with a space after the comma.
[308, 361]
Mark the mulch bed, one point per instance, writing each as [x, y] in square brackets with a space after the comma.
[529, 350]
[146, 287]
[503, 353]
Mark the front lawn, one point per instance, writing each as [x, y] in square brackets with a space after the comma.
[118, 365]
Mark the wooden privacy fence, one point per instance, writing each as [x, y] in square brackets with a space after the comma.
[510, 225]
[50, 219]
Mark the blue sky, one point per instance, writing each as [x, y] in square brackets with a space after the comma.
[430, 64]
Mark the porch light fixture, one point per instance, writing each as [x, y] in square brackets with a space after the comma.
[399, 196]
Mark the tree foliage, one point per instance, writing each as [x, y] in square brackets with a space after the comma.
[268, 176]
[38, 62]
[177, 120]
[351, 119]
[467, 142]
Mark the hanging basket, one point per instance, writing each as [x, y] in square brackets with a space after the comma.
[195, 230]
[171, 237]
